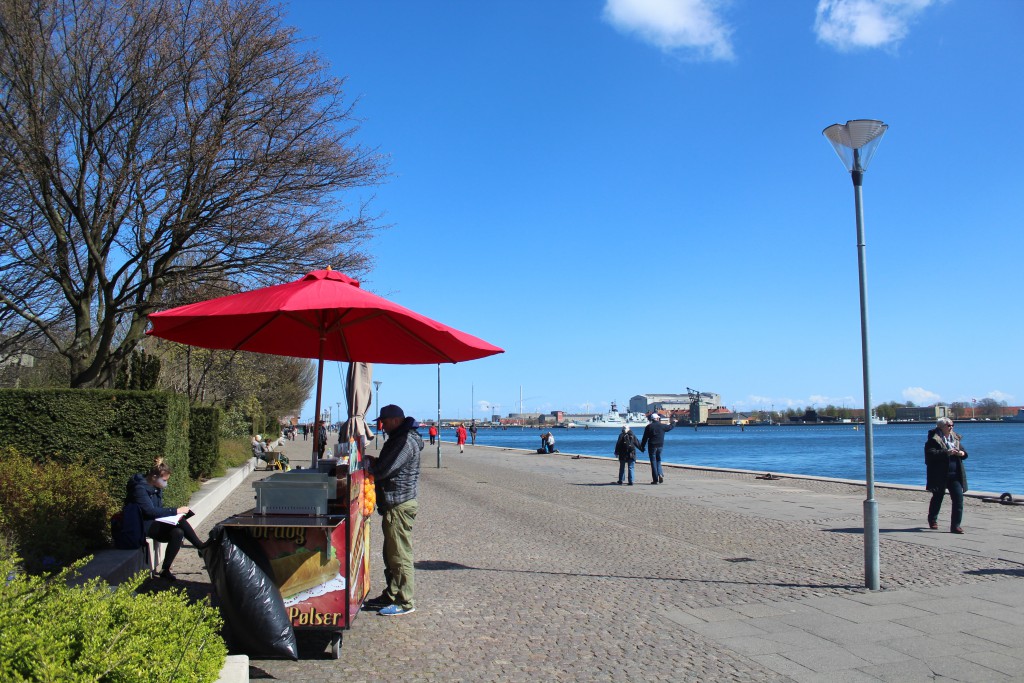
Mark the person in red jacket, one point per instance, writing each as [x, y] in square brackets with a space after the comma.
[460, 437]
[432, 431]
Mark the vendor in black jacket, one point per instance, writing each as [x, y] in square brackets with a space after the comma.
[396, 473]
[654, 441]
[147, 491]
[944, 458]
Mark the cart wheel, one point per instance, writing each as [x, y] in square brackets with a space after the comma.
[336, 646]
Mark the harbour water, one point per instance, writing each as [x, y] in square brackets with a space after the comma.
[995, 460]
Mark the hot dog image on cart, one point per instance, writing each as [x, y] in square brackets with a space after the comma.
[300, 558]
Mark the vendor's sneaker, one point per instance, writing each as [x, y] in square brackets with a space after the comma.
[396, 611]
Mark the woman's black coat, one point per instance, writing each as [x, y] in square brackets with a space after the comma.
[149, 498]
[936, 459]
[626, 446]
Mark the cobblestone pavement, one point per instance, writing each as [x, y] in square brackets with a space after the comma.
[538, 567]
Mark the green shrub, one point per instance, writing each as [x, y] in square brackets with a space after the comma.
[203, 432]
[52, 514]
[53, 632]
[235, 452]
[235, 423]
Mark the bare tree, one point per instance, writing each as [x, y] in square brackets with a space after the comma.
[148, 143]
[277, 384]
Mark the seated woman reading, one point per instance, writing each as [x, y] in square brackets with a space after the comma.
[147, 491]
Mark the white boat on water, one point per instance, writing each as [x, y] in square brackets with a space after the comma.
[876, 420]
[614, 420]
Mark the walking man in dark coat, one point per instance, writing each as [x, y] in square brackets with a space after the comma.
[654, 441]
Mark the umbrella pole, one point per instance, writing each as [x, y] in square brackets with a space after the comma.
[438, 416]
[316, 419]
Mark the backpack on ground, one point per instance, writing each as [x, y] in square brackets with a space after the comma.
[126, 528]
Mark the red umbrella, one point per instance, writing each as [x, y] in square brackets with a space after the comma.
[324, 315]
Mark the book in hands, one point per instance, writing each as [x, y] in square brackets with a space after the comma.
[174, 519]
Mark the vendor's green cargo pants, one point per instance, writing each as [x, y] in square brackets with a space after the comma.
[398, 564]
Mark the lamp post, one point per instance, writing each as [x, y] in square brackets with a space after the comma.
[855, 142]
[376, 404]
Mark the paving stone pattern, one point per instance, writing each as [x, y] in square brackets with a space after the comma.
[539, 568]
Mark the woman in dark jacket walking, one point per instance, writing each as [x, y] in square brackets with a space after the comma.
[944, 458]
[147, 491]
[625, 449]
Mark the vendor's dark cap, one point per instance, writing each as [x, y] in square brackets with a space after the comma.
[391, 411]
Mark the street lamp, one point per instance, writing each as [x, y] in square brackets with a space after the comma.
[376, 403]
[855, 142]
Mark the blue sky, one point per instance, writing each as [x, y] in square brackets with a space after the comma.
[634, 196]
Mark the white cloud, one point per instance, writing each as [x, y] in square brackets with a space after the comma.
[851, 24]
[1000, 396]
[674, 24]
[784, 403]
[920, 396]
[754, 402]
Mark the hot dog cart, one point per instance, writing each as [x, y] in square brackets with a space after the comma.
[312, 529]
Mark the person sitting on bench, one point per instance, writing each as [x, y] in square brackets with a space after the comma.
[147, 491]
[262, 451]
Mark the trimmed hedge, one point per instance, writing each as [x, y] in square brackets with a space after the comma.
[118, 432]
[204, 444]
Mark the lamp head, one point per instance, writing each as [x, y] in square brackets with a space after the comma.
[856, 141]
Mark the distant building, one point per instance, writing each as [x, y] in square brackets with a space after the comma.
[1010, 411]
[925, 414]
[676, 405]
[648, 403]
[723, 416]
[524, 418]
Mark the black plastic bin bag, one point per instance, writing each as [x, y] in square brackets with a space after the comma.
[252, 606]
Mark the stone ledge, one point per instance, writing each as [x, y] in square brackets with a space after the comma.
[113, 566]
[236, 670]
[211, 494]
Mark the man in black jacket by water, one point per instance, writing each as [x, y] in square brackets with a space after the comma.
[654, 441]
